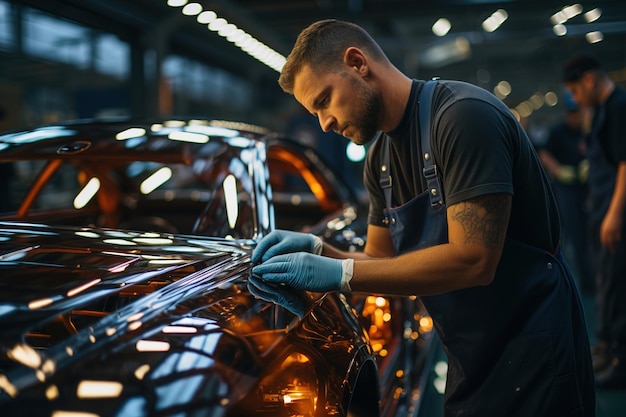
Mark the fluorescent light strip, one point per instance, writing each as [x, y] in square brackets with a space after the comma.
[238, 37]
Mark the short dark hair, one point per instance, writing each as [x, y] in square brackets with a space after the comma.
[577, 65]
[322, 45]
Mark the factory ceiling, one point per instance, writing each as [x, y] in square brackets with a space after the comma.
[524, 50]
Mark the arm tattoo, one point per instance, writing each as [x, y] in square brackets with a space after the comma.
[484, 218]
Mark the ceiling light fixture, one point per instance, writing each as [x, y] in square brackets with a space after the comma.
[441, 27]
[559, 30]
[551, 98]
[494, 21]
[238, 37]
[206, 17]
[592, 15]
[558, 18]
[192, 9]
[594, 37]
[565, 14]
[572, 11]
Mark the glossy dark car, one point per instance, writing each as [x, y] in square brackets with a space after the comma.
[192, 176]
[147, 312]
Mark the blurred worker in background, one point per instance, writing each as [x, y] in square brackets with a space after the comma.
[461, 214]
[564, 157]
[591, 86]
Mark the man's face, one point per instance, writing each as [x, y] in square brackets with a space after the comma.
[583, 90]
[341, 100]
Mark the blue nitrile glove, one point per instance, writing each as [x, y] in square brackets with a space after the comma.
[280, 242]
[303, 271]
[282, 295]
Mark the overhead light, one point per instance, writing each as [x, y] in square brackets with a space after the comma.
[524, 109]
[594, 37]
[441, 27]
[206, 17]
[217, 24]
[558, 18]
[227, 30]
[565, 14]
[592, 15]
[192, 9]
[502, 89]
[559, 30]
[551, 98]
[232, 34]
[536, 101]
[572, 11]
[236, 36]
[494, 21]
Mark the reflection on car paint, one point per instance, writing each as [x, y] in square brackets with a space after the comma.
[147, 312]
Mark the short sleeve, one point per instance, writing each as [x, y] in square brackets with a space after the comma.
[474, 147]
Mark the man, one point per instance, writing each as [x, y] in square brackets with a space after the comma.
[591, 86]
[564, 158]
[482, 255]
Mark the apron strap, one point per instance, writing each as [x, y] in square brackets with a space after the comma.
[430, 169]
[385, 171]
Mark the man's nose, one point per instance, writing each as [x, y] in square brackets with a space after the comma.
[326, 121]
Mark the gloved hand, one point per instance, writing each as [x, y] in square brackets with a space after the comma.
[280, 242]
[303, 271]
[282, 295]
[567, 174]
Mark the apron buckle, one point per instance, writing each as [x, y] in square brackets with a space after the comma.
[385, 182]
[430, 171]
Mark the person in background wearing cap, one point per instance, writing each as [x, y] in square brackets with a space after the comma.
[461, 215]
[591, 86]
[564, 157]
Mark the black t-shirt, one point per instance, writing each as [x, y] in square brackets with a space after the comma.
[612, 133]
[606, 149]
[479, 148]
[564, 143]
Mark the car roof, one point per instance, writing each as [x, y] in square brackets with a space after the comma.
[102, 139]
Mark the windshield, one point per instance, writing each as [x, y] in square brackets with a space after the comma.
[204, 189]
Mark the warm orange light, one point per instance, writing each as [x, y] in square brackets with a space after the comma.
[426, 324]
[314, 184]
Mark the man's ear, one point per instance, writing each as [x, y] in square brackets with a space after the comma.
[588, 79]
[355, 58]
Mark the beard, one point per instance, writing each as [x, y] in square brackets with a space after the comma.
[367, 112]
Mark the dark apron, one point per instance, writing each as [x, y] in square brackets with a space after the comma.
[516, 347]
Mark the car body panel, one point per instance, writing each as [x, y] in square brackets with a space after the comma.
[172, 314]
[134, 299]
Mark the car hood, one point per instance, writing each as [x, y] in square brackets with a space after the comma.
[107, 309]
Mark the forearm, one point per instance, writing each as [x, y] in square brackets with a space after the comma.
[429, 271]
[332, 252]
[476, 236]
[618, 200]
